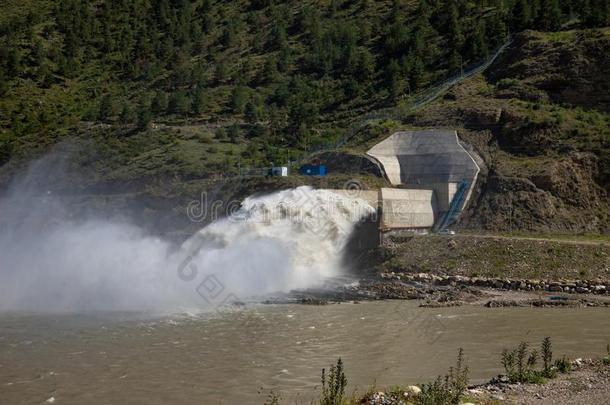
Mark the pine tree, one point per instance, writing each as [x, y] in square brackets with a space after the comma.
[220, 134]
[455, 37]
[144, 113]
[396, 39]
[394, 82]
[13, 62]
[454, 29]
[521, 15]
[585, 13]
[417, 44]
[159, 103]
[279, 37]
[221, 73]
[456, 62]
[106, 108]
[495, 31]
[302, 136]
[270, 72]
[198, 101]
[3, 82]
[179, 103]
[333, 7]
[535, 8]
[251, 113]
[239, 98]
[284, 59]
[127, 115]
[45, 78]
[595, 13]
[38, 53]
[416, 74]
[550, 15]
[477, 43]
[366, 65]
[234, 133]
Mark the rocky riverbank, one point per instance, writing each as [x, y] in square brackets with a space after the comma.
[452, 290]
[588, 383]
[598, 286]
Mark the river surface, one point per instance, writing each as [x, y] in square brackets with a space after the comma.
[237, 357]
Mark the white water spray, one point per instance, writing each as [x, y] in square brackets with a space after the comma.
[287, 240]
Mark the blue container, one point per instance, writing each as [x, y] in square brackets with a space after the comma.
[313, 170]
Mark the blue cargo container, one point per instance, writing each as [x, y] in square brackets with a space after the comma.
[313, 170]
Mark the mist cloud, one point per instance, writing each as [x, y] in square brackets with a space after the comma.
[54, 260]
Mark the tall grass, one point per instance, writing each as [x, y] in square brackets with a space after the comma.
[333, 385]
[519, 364]
[447, 390]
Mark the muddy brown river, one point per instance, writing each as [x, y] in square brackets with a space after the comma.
[239, 356]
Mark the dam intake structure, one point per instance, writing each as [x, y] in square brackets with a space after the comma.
[432, 175]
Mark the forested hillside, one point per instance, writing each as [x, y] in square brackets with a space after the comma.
[276, 76]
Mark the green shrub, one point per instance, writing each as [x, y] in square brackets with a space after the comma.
[519, 364]
[234, 133]
[333, 385]
[506, 83]
[547, 357]
[220, 134]
[447, 390]
[563, 365]
[6, 147]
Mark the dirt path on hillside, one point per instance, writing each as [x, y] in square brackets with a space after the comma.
[532, 238]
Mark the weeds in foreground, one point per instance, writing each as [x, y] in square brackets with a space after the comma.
[520, 363]
[333, 385]
[547, 356]
[448, 390]
[563, 365]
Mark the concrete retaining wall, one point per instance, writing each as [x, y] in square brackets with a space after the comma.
[407, 209]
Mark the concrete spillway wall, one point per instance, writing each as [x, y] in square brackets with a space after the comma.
[407, 209]
[430, 160]
[398, 208]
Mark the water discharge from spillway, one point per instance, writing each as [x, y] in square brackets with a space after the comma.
[287, 240]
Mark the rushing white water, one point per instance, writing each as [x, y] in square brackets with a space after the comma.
[287, 240]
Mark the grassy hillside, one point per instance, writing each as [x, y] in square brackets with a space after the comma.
[279, 76]
[184, 90]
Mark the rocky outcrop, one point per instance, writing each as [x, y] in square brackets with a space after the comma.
[513, 203]
[572, 180]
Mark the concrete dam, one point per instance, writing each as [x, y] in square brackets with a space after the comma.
[432, 175]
